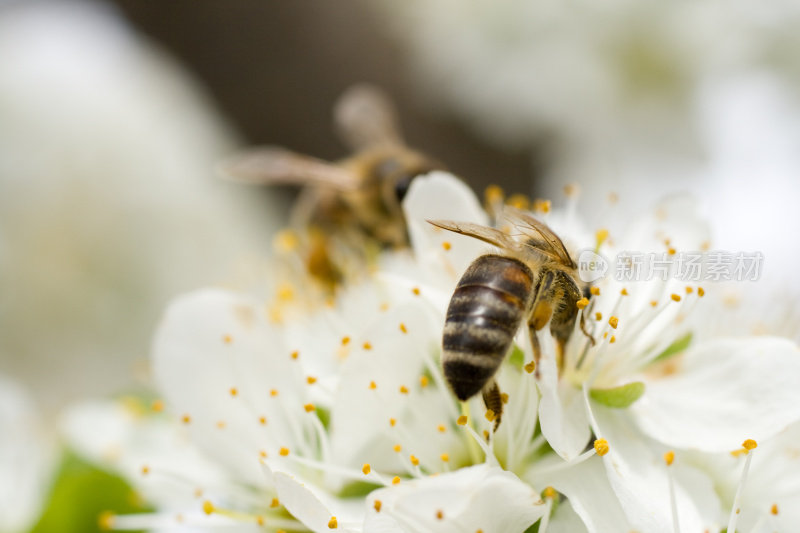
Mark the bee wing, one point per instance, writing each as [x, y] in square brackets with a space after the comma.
[365, 116]
[483, 233]
[272, 165]
[536, 228]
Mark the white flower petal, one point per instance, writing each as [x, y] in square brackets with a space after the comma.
[478, 497]
[118, 437]
[562, 412]
[566, 520]
[25, 459]
[360, 428]
[726, 391]
[216, 359]
[440, 195]
[587, 487]
[314, 508]
[639, 477]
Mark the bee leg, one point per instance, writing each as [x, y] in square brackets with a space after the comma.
[493, 401]
[541, 313]
[585, 332]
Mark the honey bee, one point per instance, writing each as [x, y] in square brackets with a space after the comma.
[353, 204]
[534, 281]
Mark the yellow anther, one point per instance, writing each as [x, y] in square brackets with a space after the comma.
[530, 367]
[675, 297]
[395, 480]
[345, 340]
[774, 508]
[595, 291]
[671, 251]
[613, 322]
[486, 434]
[157, 406]
[198, 492]
[493, 193]
[273, 392]
[445, 457]
[384, 306]
[598, 316]
[490, 415]
[234, 391]
[284, 451]
[286, 241]
[309, 407]
[366, 469]
[442, 428]
[275, 503]
[373, 385]
[689, 290]
[377, 506]
[423, 381]
[333, 523]
[275, 314]
[415, 290]
[669, 457]
[605, 335]
[221, 424]
[749, 444]
[520, 201]
[186, 419]
[446, 245]
[582, 303]
[414, 460]
[549, 492]
[397, 448]
[392, 422]
[601, 447]
[311, 380]
[653, 303]
[285, 292]
[571, 190]
[227, 339]
[600, 236]
[263, 454]
[462, 420]
[208, 507]
[367, 346]
[295, 354]
[105, 520]
[612, 340]
[542, 206]
[504, 397]
[259, 520]
[403, 389]
[701, 292]
[439, 514]
[403, 328]
[145, 470]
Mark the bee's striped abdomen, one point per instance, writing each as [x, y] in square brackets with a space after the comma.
[484, 314]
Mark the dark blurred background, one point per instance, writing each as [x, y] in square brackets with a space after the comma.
[276, 68]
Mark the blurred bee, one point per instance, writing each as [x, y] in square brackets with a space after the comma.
[534, 282]
[351, 207]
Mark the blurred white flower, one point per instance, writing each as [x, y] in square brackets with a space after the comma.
[26, 459]
[108, 204]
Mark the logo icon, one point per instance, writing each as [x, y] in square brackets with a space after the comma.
[591, 266]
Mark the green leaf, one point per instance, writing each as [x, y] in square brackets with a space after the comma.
[358, 489]
[675, 348]
[80, 494]
[618, 397]
[324, 415]
[517, 357]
